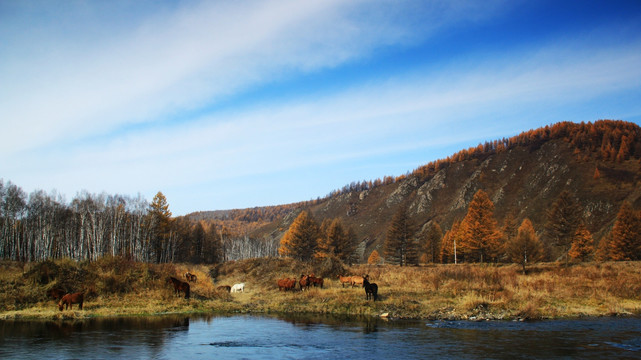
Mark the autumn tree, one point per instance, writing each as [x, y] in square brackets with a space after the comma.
[400, 244]
[448, 253]
[525, 247]
[432, 242]
[625, 243]
[301, 239]
[161, 228]
[602, 252]
[374, 258]
[479, 235]
[336, 240]
[563, 219]
[582, 244]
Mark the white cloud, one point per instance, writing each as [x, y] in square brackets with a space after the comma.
[183, 59]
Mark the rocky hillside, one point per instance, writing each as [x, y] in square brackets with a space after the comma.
[599, 163]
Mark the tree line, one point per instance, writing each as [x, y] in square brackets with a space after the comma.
[41, 226]
[306, 240]
[477, 237]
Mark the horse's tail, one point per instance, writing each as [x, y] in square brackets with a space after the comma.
[187, 291]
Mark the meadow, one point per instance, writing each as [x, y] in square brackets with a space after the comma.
[119, 287]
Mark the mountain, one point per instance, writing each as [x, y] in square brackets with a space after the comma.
[598, 163]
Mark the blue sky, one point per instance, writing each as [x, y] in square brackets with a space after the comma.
[235, 104]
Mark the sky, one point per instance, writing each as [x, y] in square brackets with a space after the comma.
[237, 104]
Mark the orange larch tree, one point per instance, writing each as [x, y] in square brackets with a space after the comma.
[374, 258]
[479, 233]
[626, 235]
[301, 240]
[525, 247]
[448, 244]
[582, 244]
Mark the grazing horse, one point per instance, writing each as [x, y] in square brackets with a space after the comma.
[55, 293]
[371, 289]
[191, 277]
[226, 288]
[357, 280]
[179, 286]
[344, 279]
[304, 282]
[238, 288]
[68, 300]
[316, 281]
[286, 284]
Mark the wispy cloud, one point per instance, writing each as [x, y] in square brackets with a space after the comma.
[182, 60]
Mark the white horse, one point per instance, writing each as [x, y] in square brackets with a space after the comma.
[238, 288]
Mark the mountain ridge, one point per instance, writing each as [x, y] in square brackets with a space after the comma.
[598, 163]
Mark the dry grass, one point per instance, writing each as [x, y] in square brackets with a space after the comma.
[116, 286]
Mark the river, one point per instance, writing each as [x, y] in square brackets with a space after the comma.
[317, 337]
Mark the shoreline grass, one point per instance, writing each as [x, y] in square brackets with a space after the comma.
[117, 287]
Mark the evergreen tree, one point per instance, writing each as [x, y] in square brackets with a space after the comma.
[346, 251]
[336, 240]
[400, 244]
[582, 244]
[525, 247]
[479, 235]
[510, 227]
[563, 219]
[301, 239]
[626, 235]
[432, 242]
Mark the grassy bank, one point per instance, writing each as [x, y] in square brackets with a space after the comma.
[115, 286]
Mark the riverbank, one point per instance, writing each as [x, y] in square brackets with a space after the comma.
[117, 287]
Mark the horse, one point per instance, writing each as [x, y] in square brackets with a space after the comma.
[238, 288]
[56, 293]
[179, 286]
[191, 277]
[371, 289]
[344, 279]
[226, 288]
[357, 280]
[68, 300]
[316, 281]
[304, 282]
[286, 284]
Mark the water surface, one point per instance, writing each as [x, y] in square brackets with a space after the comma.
[304, 337]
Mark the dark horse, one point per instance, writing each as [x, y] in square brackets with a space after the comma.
[180, 286]
[371, 289]
[70, 299]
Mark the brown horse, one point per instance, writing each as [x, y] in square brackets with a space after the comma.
[179, 286]
[304, 282]
[191, 277]
[226, 288]
[357, 280]
[55, 293]
[286, 284]
[344, 279]
[68, 300]
[316, 281]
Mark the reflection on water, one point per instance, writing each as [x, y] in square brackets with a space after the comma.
[316, 337]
